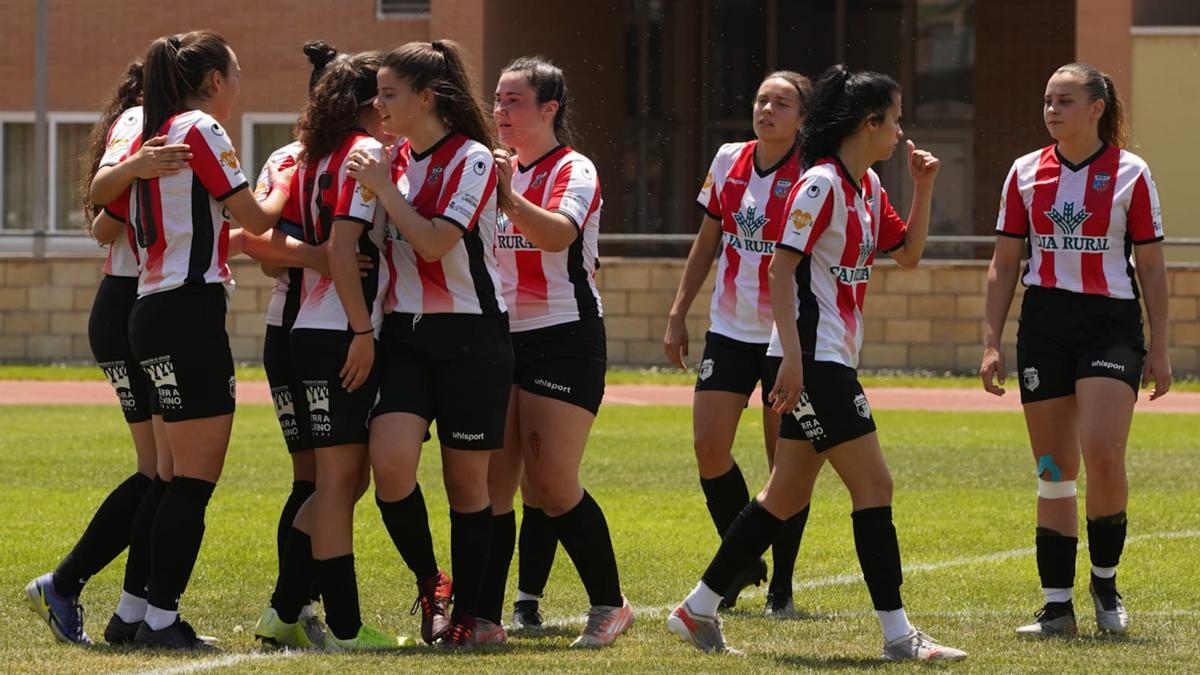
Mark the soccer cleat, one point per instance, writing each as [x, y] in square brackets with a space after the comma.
[753, 575]
[703, 632]
[64, 615]
[526, 616]
[118, 632]
[917, 646]
[311, 625]
[368, 639]
[1055, 618]
[1111, 616]
[488, 633]
[461, 634]
[433, 599]
[780, 606]
[178, 635]
[604, 625]
[275, 632]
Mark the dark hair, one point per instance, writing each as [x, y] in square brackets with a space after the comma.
[1112, 128]
[127, 95]
[320, 53]
[176, 66]
[802, 84]
[439, 66]
[347, 84]
[841, 100]
[548, 82]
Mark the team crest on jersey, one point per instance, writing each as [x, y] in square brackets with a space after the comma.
[749, 221]
[781, 187]
[229, 159]
[1029, 378]
[1068, 220]
[801, 219]
[706, 368]
[434, 174]
[538, 180]
[708, 181]
[862, 406]
[1100, 182]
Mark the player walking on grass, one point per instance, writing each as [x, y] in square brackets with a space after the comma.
[838, 217]
[743, 199]
[546, 248]
[1085, 209]
[445, 338]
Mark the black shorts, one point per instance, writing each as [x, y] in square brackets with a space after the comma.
[564, 362]
[453, 368]
[733, 365]
[833, 408]
[108, 333]
[336, 417]
[291, 404]
[1064, 336]
[179, 339]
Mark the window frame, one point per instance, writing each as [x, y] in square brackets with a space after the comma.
[52, 121]
[10, 117]
[249, 120]
[381, 15]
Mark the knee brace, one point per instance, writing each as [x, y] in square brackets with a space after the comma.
[1061, 489]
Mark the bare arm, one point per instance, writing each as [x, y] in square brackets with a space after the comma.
[1152, 276]
[152, 160]
[789, 383]
[1001, 284]
[695, 270]
[432, 238]
[548, 230]
[343, 269]
[276, 249]
[923, 167]
[105, 229]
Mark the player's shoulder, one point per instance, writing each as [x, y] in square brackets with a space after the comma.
[1031, 159]
[730, 151]
[578, 162]
[201, 120]
[367, 142]
[129, 118]
[1131, 162]
[281, 154]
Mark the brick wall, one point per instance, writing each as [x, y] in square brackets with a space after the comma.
[925, 318]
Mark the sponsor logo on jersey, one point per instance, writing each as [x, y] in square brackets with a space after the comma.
[162, 372]
[479, 168]
[813, 191]
[749, 221]
[364, 192]
[130, 120]
[216, 129]
[862, 406]
[801, 219]
[708, 181]
[1067, 220]
[538, 180]
[706, 368]
[229, 159]
[851, 275]
[781, 187]
[117, 143]
[1101, 181]
[735, 181]
[749, 245]
[1029, 378]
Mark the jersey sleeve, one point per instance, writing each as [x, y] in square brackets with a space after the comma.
[470, 187]
[356, 202]
[575, 192]
[1013, 219]
[120, 137]
[118, 209]
[214, 160]
[709, 198]
[1144, 221]
[892, 227]
[810, 210]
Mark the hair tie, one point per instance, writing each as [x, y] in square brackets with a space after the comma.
[174, 42]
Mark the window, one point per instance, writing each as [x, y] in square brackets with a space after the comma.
[402, 9]
[69, 134]
[16, 149]
[262, 134]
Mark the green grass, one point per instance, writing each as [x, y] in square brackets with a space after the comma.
[964, 488]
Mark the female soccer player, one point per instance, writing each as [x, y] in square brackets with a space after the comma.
[445, 335]
[838, 217]
[177, 324]
[55, 596]
[1080, 207]
[742, 198]
[547, 251]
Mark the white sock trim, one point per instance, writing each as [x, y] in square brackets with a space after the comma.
[131, 608]
[1104, 572]
[703, 600]
[158, 619]
[522, 596]
[1058, 594]
[895, 624]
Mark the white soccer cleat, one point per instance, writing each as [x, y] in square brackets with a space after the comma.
[1054, 619]
[917, 646]
[1111, 616]
[604, 625]
[703, 632]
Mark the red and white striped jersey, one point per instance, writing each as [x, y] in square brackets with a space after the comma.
[454, 181]
[837, 227]
[750, 205]
[122, 259]
[328, 194]
[285, 297]
[543, 288]
[182, 227]
[1081, 221]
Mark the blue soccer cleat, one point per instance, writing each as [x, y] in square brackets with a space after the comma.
[63, 615]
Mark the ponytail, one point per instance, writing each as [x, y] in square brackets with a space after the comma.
[1113, 127]
[319, 54]
[176, 66]
[346, 85]
[841, 100]
[127, 95]
[549, 84]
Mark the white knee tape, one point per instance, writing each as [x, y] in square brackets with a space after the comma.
[1056, 489]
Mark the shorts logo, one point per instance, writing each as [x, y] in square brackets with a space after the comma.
[552, 386]
[462, 436]
[317, 393]
[781, 187]
[706, 368]
[1101, 363]
[285, 411]
[233, 387]
[162, 372]
[861, 405]
[118, 377]
[807, 417]
[1029, 378]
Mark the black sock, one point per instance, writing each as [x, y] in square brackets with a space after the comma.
[1056, 558]
[176, 538]
[470, 539]
[784, 550]
[293, 587]
[105, 537]
[301, 491]
[749, 536]
[879, 556]
[500, 553]
[726, 496]
[137, 565]
[1106, 541]
[538, 545]
[339, 588]
[407, 522]
[583, 532]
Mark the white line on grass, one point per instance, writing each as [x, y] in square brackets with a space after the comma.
[219, 662]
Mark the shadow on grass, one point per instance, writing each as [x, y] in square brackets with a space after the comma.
[829, 662]
[549, 632]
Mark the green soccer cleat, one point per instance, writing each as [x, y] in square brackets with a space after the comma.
[273, 631]
[368, 639]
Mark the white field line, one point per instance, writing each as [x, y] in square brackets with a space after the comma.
[219, 662]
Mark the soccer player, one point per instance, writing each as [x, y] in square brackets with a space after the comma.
[1085, 209]
[55, 596]
[742, 198]
[177, 325]
[547, 251]
[838, 217]
[445, 335]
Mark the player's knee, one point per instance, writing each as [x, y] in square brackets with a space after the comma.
[1105, 467]
[1053, 481]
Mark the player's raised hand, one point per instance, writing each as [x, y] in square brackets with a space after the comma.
[503, 169]
[922, 165]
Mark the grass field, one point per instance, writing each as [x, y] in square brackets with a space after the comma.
[964, 512]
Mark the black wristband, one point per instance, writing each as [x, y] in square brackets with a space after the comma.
[363, 332]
